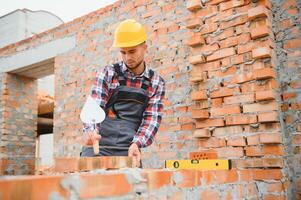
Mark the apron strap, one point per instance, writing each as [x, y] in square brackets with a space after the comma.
[121, 78]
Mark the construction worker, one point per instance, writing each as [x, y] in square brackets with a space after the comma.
[131, 94]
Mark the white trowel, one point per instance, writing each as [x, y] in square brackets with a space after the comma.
[92, 113]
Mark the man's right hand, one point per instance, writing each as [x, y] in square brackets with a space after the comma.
[89, 137]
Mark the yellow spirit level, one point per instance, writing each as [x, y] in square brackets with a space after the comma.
[210, 164]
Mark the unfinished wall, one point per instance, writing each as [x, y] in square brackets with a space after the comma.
[18, 128]
[224, 68]
[287, 29]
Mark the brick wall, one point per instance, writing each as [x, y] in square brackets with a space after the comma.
[287, 29]
[18, 129]
[231, 76]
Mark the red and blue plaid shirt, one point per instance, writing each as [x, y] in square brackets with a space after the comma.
[107, 81]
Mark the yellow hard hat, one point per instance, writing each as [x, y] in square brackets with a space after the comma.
[129, 33]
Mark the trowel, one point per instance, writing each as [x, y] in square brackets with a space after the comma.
[92, 113]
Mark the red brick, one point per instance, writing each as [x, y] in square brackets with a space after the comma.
[209, 194]
[238, 142]
[291, 44]
[268, 117]
[267, 174]
[270, 138]
[201, 104]
[225, 110]
[201, 133]
[212, 142]
[34, 187]
[191, 178]
[259, 107]
[200, 114]
[272, 162]
[227, 131]
[265, 3]
[221, 54]
[288, 95]
[209, 66]
[295, 84]
[209, 123]
[226, 176]
[197, 59]
[203, 155]
[262, 52]
[216, 102]
[231, 4]
[241, 119]
[193, 5]
[195, 40]
[244, 98]
[223, 92]
[193, 23]
[275, 187]
[265, 95]
[273, 150]
[243, 48]
[253, 140]
[258, 11]
[260, 31]
[208, 28]
[157, 179]
[253, 151]
[234, 22]
[198, 95]
[264, 73]
[296, 140]
[230, 152]
[95, 185]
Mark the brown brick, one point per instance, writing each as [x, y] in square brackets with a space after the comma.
[265, 95]
[268, 117]
[231, 4]
[221, 54]
[226, 152]
[267, 174]
[261, 52]
[223, 92]
[193, 5]
[201, 133]
[253, 151]
[244, 98]
[198, 95]
[209, 123]
[212, 142]
[241, 119]
[264, 73]
[238, 141]
[200, 114]
[270, 138]
[195, 40]
[225, 110]
[193, 23]
[197, 59]
[259, 107]
[258, 11]
[253, 140]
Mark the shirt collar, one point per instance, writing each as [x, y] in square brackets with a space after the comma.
[125, 69]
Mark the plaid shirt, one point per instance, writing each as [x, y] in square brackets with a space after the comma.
[107, 81]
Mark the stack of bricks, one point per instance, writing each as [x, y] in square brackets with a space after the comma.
[18, 125]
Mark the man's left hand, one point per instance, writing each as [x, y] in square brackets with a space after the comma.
[134, 152]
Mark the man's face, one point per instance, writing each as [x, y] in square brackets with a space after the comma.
[133, 56]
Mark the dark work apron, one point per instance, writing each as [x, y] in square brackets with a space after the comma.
[124, 112]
